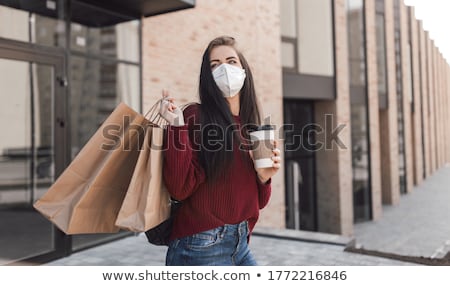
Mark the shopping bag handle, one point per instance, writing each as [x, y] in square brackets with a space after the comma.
[153, 115]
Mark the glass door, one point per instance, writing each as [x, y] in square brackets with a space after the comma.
[31, 121]
[301, 202]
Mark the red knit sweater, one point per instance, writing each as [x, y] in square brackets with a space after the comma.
[236, 196]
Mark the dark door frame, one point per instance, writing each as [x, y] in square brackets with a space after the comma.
[311, 155]
[55, 57]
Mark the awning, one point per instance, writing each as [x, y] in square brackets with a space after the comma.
[100, 13]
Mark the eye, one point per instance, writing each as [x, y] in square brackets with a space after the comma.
[213, 66]
[232, 62]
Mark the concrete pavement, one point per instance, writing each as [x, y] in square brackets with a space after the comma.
[419, 226]
[136, 251]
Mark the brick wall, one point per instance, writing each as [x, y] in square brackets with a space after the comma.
[334, 167]
[388, 118]
[173, 45]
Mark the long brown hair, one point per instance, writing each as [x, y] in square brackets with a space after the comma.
[216, 115]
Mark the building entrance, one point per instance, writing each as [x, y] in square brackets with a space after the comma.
[32, 120]
[299, 131]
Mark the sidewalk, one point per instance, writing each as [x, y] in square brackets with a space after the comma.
[136, 251]
[419, 226]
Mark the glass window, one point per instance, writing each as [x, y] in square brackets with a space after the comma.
[14, 24]
[104, 69]
[288, 18]
[300, 146]
[33, 28]
[315, 37]
[355, 22]
[410, 59]
[48, 31]
[381, 57]
[399, 89]
[409, 73]
[26, 158]
[96, 89]
[359, 111]
[120, 41]
[288, 55]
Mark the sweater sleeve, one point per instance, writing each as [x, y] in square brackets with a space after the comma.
[182, 171]
[265, 190]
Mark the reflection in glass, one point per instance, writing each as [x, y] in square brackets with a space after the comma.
[26, 158]
[33, 28]
[399, 89]
[96, 89]
[381, 53]
[359, 112]
[315, 37]
[356, 40]
[299, 150]
[48, 31]
[14, 24]
[120, 41]
[287, 55]
[288, 22]
[288, 19]
[103, 69]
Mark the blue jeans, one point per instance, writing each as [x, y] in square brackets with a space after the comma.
[225, 246]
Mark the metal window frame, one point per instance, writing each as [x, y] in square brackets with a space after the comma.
[60, 58]
[52, 56]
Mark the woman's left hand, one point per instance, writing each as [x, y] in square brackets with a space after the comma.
[264, 174]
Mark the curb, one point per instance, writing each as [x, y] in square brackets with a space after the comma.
[411, 259]
[305, 236]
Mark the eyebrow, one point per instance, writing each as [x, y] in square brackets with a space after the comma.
[229, 58]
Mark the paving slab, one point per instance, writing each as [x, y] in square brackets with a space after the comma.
[418, 226]
[268, 251]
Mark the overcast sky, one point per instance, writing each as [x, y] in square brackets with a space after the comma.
[436, 20]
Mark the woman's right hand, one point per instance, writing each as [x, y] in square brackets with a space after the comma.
[169, 111]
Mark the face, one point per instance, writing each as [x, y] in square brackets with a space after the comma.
[224, 54]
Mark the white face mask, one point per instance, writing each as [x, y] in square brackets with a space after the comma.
[229, 79]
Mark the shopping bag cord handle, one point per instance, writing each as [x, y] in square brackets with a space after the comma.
[155, 117]
[153, 114]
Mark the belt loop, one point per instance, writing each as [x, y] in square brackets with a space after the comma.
[224, 230]
[242, 227]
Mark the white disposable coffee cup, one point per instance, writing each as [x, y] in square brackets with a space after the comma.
[262, 139]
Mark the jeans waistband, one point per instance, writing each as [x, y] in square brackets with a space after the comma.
[241, 228]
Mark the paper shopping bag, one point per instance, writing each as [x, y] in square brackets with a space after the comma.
[87, 196]
[147, 201]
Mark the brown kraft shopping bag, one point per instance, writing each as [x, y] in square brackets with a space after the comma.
[147, 201]
[88, 194]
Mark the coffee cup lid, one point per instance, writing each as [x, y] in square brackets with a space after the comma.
[262, 127]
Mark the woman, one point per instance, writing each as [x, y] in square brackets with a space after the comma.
[208, 167]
